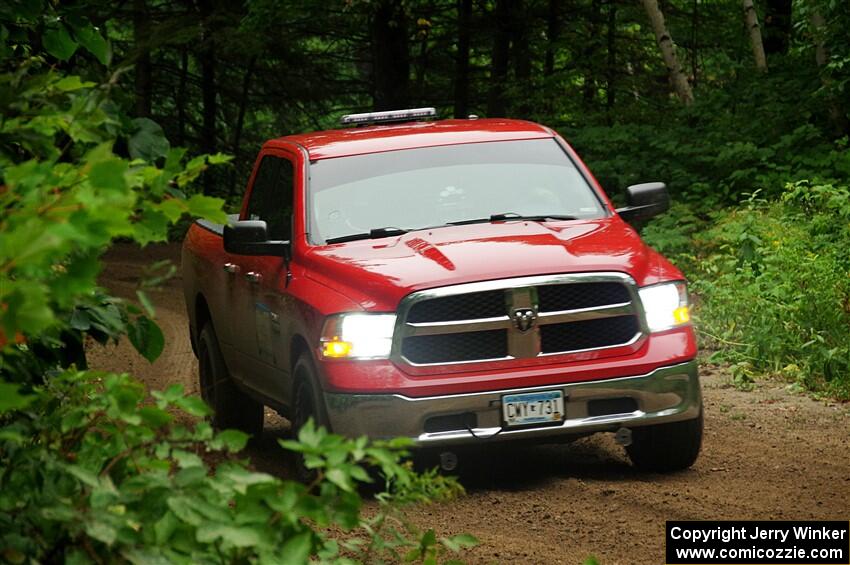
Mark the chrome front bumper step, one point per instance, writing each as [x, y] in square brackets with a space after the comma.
[667, 394]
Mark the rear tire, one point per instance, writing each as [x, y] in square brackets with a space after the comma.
[664, 448]
[232, 408]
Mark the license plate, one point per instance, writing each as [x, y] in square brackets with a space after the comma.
[533, 408]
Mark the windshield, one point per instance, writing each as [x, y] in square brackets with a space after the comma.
[435, 186]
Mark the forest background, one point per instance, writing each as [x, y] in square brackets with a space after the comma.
[126, 119]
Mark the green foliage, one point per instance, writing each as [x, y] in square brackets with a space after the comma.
[708, 159]
[772, 278]
[100, 475]
[91, 470]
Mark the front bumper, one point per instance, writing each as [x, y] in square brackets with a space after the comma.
[667, 394]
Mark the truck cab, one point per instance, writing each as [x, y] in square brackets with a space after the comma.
[450, 281]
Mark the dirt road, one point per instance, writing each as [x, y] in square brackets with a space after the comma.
[768, 454]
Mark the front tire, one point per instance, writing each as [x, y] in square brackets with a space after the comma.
[664, 448]
[306, 405]
[232, 408]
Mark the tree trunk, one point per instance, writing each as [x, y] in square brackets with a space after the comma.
[553, 32]
[236, 146]
[752, 19]
[461, 86]
[390, 57]
[818, 25]
[668, 52]
[522, 59]
[180, 101]
[836, 111]
[143, 76]
[209, 111]
[499, 59]
[589, 52]
[611, 66]
[694, 42]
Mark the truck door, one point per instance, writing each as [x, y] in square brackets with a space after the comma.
[264, 280]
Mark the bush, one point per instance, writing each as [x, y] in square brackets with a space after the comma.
[89, 470]
[91, 473]
[773, 282]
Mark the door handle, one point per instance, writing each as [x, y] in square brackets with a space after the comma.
[230, 268]
[253, 277]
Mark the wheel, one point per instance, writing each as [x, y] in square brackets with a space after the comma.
[666, 447]
[232, 408]
[306, 405]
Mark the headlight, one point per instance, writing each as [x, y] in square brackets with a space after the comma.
[665, 305]
[358, 336]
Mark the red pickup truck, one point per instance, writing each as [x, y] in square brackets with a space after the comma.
[451, 281]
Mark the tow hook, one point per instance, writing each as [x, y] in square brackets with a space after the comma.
[623, 437]
[448, 461]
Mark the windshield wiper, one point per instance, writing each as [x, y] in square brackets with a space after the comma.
[513, 216]
[374, 233]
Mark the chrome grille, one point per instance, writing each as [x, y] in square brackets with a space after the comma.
[522, 318]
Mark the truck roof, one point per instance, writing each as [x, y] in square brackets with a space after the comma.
[411, 135]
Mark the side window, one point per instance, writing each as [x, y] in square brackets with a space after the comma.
[271, 196]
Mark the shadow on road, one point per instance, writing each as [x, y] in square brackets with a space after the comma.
[506, 466]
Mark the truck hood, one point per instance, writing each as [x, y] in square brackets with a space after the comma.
[378, 273]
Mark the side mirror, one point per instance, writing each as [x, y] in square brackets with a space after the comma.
[646, 201]
[251, 237]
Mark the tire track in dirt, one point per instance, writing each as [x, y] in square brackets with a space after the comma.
[767, 454]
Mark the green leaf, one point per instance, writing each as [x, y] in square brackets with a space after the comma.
[170, 394]
[187, 459]
[27, 308]
[164, 527]
[148, 339]
[80, 319]
[155, 417]
[73, 419]
[182, 508]
[242, 477]
[234, 535]
[219, 159]
[109, 175]
[57, 41]
[12, 399]
[297, 549]
[173, 208]
[193, 405]
[152, 226]
[146, 303]
[102, 531]
[340, 478]
[190, 476]
[429, 539]
[11, 436]
[70, 83]
[208, 208]
[149, 141]
[231, 440]
[93, 42]
[84, 475]
[460, 541]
